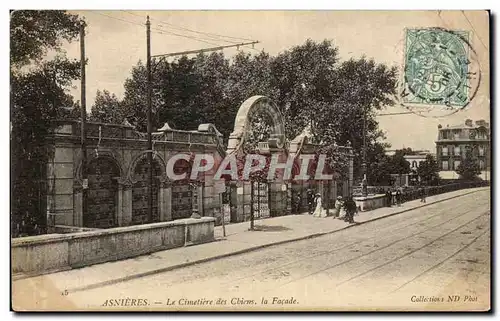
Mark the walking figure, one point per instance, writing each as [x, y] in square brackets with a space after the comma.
[398, 197]
[318, 211]
[338, 206]
[423, 193]
[350, 209]
[298, 202]
[388, 196]
[310, 201]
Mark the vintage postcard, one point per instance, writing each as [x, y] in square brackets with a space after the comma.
[250, 160]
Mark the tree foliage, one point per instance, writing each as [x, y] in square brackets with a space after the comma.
[468, 168]
[308, 83]
[398, 164]
[428, 171]
[378, 165]
[107, 108]
[34, 32]
[37, 96]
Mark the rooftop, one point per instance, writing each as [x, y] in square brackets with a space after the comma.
[468, 123]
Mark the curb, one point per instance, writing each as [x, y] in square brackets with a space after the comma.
[250, 249]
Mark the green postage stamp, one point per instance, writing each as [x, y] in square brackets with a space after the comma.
[437, 68]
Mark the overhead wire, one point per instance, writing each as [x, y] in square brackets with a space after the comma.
[194, 31]
[157, 30]
[212, 36]
[474, 29]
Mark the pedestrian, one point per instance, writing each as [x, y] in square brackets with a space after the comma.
[297, 203]
[423, 193]
[338, 207]
[398, 197]
[310, 201]
[351, 209]
[319, 206]
[388, 196]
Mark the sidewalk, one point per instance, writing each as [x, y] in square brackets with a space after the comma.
[238, 240]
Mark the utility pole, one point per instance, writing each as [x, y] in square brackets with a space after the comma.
[83, 122]
[196, 210]
[150, 141]
[161, 57]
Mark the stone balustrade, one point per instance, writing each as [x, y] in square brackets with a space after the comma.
[49, 253]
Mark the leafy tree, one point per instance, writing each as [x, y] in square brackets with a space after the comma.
[303, 79]
[428, 171]
[307, 82]
[398, 164]
[361, 87]
[468, 168]
[37, 96]
[379, 166]
[34, 32]
[135, 99]
[107, 108]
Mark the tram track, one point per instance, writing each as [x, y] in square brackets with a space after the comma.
[363, 240]
[355, 256]
[323, 255]
[400, 226]
[380, 249]
[440, 263]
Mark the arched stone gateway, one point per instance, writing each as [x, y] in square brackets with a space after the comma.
[102, 193]
[242, 125]
[267, 198]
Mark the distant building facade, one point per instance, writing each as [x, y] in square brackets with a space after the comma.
[453, 143]
[416, 158]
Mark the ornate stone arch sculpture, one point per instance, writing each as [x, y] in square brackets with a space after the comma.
[242, 125]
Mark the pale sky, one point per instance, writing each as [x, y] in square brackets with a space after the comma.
[114, 46]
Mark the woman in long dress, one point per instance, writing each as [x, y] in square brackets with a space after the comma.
[317, 211]
[338, 207]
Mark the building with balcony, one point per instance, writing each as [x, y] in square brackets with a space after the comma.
[454, 142]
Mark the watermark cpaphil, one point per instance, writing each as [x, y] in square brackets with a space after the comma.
[250, 167]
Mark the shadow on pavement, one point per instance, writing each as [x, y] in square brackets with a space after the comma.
[271, 228]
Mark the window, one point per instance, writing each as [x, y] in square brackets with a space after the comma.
[481, 165]
[456, 164]
[444, 150]
[444, 165]
[456, 151]
[444, 134]
[481, 150]
[414, 164]
[456, 134]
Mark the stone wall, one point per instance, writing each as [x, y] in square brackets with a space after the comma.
[370, 202]
[125, 148]
[49, 253]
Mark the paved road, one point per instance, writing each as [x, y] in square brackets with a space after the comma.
[437, 257]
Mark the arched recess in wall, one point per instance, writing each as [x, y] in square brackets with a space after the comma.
[182, 191]
[102, 195]
[140, 187]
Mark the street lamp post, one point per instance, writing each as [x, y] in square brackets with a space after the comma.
[364, 182]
